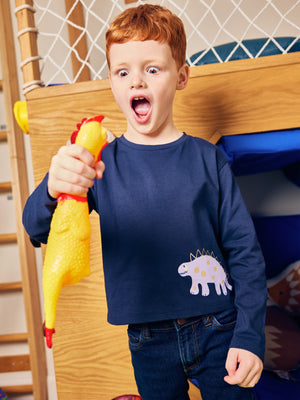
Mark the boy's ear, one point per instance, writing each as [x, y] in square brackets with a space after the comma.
[183, 77]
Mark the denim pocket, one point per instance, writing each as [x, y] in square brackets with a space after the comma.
[136, 336]
[224, 320]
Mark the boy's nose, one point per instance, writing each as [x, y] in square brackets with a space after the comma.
[137, 82]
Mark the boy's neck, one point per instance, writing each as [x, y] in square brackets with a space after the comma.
[151, 139]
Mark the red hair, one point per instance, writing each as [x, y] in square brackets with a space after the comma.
[149, 22]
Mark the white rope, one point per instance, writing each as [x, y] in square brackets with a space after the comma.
[36, 82]
[29, 29]
[23, 7]
[30, 59]
[31, 85]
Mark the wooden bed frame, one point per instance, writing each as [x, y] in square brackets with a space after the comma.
[91, 357]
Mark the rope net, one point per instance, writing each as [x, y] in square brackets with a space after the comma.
[208, 24]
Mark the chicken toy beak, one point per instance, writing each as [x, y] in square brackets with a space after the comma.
[21, 115]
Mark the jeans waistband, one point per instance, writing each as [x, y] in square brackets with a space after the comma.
[171, 324]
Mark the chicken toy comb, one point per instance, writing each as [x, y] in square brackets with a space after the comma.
[97, 118]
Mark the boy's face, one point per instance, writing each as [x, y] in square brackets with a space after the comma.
[144, 78]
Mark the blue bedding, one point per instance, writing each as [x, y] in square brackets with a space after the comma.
[279, 240]
[271, 387]
[261, 152]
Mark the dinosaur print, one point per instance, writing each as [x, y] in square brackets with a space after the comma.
[204, 268]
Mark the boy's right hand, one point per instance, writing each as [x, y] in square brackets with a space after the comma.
[72, 171]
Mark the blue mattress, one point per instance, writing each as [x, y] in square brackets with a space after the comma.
[279, 240]
[271, 387]
[261, 152]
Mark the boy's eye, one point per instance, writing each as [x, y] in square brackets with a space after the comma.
[123, 72]
[153, 70]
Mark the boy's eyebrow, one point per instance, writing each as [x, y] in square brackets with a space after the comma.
[146, 62]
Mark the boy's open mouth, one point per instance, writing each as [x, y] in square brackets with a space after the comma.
[141, 107]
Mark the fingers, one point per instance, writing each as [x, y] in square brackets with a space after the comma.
[244, 368]
[72, 171]
[99, 169]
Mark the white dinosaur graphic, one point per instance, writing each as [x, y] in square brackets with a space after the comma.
[204, 268]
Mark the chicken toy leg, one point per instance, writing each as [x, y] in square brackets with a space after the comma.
[67, 258]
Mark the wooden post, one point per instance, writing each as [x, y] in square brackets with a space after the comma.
[20, 193]
[28, 43]
[76, 17]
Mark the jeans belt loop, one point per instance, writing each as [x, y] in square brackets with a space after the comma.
[146, 331]
[181, 321]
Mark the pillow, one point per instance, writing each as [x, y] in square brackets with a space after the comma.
[284, 289]
[282, 341]
[253, 45]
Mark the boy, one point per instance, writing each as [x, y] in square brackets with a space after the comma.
[170, 211]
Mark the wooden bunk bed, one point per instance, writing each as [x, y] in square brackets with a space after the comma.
[257, 95]
[233, 98]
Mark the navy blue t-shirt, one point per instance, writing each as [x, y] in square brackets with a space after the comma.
[177, 239]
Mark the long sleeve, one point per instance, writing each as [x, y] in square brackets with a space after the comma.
[37, 213]
[246, 266]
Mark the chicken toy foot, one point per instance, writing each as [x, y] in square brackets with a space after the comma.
[48, 335]
[67, 258]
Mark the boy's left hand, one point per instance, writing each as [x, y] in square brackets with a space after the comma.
[244, 368]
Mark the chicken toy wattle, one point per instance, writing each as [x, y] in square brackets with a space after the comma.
[67, 258]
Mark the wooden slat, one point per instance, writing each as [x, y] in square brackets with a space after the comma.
[15, 363]
[18, 389]
[5, 186]
[8, 238]
[20, 190]
[3, 136]
[76, 17]
[14, 338]
[28, 42]
[1, 85]
[10, 286]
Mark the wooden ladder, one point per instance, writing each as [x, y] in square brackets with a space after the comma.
[35, 361]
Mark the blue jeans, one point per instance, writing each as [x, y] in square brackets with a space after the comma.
[165, 355]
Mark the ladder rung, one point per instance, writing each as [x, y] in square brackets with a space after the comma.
[10, 286]
[17, 389]
[14, 338]
[3, 136]
[15, 363]
[8, 238]
[5, 186]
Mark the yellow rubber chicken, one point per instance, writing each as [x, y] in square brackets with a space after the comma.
[67, 258]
